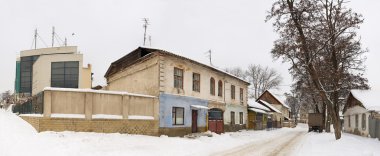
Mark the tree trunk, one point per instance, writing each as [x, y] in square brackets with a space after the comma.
[328, 121]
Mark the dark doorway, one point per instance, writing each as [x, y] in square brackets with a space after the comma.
[215, 121]
[194, 123]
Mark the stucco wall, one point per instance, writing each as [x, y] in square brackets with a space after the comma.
[350, 113]
[49, 51]
[89, 103]
[86, 81]
[42, 70]
[167, 102]
[237, 109]
[142, 78]
[169, 62]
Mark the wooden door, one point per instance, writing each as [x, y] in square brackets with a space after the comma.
[194, 123]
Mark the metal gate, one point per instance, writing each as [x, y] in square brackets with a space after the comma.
[374, 127]
[215, 121]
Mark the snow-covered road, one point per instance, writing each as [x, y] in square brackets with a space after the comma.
[281, 144]
[18, 138]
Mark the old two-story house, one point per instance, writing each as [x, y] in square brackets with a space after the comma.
[193, 97]
[276, 102]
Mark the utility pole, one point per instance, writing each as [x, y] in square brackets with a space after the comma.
[52, 37]
[145, 26]
[65, 42]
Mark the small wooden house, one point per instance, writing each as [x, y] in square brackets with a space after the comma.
[278, 103]
[361, 113]
[257, 115]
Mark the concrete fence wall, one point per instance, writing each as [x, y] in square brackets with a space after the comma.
[92, 103]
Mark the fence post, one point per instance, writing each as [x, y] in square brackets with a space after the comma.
[88, 105]
[47, 104]
[125, 106]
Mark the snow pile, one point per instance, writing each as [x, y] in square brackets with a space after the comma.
[139, 117]
[317, 144]
[369, 98]
[106, 116]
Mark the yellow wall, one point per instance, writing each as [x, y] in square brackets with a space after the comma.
[205, 73]
[142, 78]
[91, 103]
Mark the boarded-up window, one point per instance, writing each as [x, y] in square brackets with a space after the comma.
[178, 116]
[364, 121]
[356, 121]
[212, 86]
[232, 118]
[178, 78]
[349, 121]
[220, 88]
[241, 96]
[241, 117]
[232, 92]
[196, 82]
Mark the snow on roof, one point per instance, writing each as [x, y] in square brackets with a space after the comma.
[280, 97]
[254, 104]
[369, 98]
[258, 110]
[95, 91]
[199, 107]
[270, 106]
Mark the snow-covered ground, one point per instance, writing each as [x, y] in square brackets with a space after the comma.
[317, 144]
[19, 138]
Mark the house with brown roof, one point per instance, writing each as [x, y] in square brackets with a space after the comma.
[275, 101]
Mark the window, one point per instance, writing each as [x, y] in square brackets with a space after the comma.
[364, 121]
[241, 117]
[349, 121]
[26, 73]
[212, 86]
[178, 78]
[178, 116]
[232, 118]
[241, 96]
[356, 121]
[232, 92]
[65, 74]
[220, 88]
[196, 82]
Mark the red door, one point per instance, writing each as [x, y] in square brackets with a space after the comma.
[194, 123]
[215, 121]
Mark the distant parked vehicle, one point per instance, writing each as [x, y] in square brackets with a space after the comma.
[315, 122]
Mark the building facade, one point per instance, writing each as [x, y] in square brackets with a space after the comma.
[50, 67]
[193, 97]
[361, 113]
[277, 103]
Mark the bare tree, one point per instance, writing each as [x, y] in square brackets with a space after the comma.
[262, 79]
[319, 37]
[236, 71]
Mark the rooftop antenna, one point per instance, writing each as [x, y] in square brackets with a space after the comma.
[52, 37]
[209, 53]
[35, 38]
[150, 40]
[145, 26]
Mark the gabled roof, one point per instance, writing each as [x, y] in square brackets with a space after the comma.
[142, 52]
[253, 104]
[269, 106]
[368, 98]
[278, 98]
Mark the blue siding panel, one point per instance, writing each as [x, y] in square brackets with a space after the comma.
[168, 101]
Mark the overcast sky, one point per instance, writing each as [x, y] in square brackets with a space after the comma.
[106, 30]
